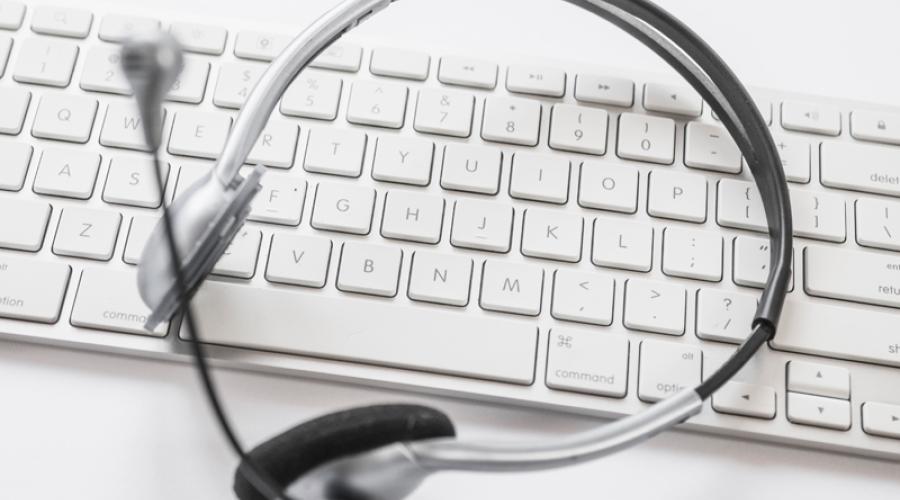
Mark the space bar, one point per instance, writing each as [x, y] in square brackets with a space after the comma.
[366, 331]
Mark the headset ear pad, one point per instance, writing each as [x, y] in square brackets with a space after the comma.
[295, 452]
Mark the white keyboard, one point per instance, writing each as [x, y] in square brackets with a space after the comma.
[539, 233]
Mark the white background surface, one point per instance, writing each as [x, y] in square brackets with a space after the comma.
[93, 426]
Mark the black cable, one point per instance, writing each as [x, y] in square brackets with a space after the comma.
[255, 475]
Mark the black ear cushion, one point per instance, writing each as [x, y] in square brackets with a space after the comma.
[295, 452]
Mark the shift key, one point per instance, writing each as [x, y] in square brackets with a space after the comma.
[866, 277]
[108, 299]
[31, 289]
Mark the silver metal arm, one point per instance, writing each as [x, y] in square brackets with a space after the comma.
[280, 73]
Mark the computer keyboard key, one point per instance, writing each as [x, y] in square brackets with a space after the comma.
[108, 299]
[444, 113]
[471, 167]
[539, 177]
[200, 38]
[16, 157]
[622, 244]
[796, 157]
[585, 362]
[878, 223]
[400, 63]
[881, 419]
[583, 297]
[5, 48]
[377, 104]
[804, 116]
[751, 262]
[748, 400]
[32, 290]
[190, 85]
[45, 61]
[118, 28]
[578, 129]
[602, 89]
[259, 46]
[369, 269]
[467, 72]
[646, 138]
[672, 99]
[655, 306]
[667, 368]
[725, 316]
[313, 94]
[511, 287]
[820, 329]
[234, 83]
[376, 333]
[511, 120]
[138, 232]
[440, 278]
[298, 260]
[87, 233]
[674, 195]
[875, 126]
[818, 411]
[14, 103]
[692, 254]
[547, 234]
[189, 174]
[818, 379]
[482, 225]
[335, 151]
[405, 160]
[819, 215]
[60, 21]
[11, 15]
[123, 127]
[739, 205]
[70, 173]
[103, 71]
[343, 208]
[857, 276]
[537, 80]
[200, 134]
[339, 56]
[131, 180]
[239, 259]
[280, 200]
[608, 187]
[64, 117]
[276, 145]
[841, 167]
[710, 147]
[412, 216]
[26, 230]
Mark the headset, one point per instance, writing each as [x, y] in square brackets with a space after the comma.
[384, 452]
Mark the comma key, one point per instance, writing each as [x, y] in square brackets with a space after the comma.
[109, 300]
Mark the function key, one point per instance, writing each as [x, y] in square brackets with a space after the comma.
[200, 38]
[537, 80]
[400, 63]
[810, 117]
[672, 99]
[259, 46]
[600, 89]
[117, 28]
[467, 72]
[340, 57]
[11, 14]
[73, 23]
[875, 126]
